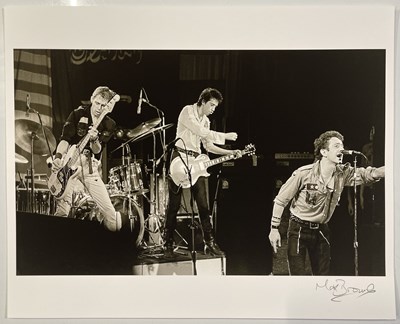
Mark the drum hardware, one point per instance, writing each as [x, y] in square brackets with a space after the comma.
[20, 159]
[44, 202]
[137, 187]
[154, 223]
[127, 177]
[35, 138]
[152, 132]
[143, 128]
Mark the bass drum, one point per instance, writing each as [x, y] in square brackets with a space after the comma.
[87, 209]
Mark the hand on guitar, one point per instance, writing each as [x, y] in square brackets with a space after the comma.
[93, 134]
[238, 154]
[56, 165]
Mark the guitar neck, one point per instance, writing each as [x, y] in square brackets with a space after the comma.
[83, 142]
[219, 160]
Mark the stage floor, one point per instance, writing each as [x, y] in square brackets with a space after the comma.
[49, 245]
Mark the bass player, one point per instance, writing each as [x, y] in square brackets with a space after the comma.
[78, 127]
[193, 129]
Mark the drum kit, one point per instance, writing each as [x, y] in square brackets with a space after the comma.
[128, 181]
[33, 138]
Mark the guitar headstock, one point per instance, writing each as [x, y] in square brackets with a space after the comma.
[110, 105]
[249, 149]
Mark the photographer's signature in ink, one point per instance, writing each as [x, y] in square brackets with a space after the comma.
[340, 289]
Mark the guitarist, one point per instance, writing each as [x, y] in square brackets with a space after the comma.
[78, 124]
[193, 129]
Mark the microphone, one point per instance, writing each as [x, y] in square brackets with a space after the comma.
[351, 152]
[28, 104]
[139, 108]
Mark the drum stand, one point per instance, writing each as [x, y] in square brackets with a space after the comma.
[128, 185]
[153, 223]
[32, 177]
[34, 137]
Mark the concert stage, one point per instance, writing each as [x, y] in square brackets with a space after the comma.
[50, 245]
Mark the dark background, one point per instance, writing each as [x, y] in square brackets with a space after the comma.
[278, 100]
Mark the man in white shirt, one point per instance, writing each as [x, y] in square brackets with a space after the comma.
[193, 129]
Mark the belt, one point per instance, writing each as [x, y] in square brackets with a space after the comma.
[188, 152]
[305, 223]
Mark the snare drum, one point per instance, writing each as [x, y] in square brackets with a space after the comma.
[127, 179]
[88, 210]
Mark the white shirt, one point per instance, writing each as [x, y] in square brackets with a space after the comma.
[193, 130]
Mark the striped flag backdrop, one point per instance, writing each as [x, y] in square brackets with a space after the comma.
[32, 70]
[32, 75]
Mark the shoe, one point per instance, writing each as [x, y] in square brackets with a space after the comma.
[212, 248]
[169, 245]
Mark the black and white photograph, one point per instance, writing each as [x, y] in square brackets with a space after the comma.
[223, 168]
[148, 117]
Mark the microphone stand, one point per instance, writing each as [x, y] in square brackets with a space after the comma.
[154, 210]
[355, 243]
[215, 204]
[163, 142]
[128, 184]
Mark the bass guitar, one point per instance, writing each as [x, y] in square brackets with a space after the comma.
[197, 167]
[59, 180]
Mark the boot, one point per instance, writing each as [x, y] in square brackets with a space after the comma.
[168, 245]
[211, 246]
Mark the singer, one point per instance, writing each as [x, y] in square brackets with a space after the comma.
[193, 129]
[80, 123]
[313, 192]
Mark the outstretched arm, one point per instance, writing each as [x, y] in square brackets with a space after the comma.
[212, 148]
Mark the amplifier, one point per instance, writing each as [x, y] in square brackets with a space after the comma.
[294, 156]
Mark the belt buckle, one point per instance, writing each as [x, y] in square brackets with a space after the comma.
[314, 225]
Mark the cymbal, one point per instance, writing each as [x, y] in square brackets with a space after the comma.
[152, 131]
[20, 159]
[143, 128]
[26, 129]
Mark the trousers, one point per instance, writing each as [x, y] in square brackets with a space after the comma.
[96, 188]
[199, 191]
[315, 242]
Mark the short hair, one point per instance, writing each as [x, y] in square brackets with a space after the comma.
[104, 92]
[208, 94]
[322, 142]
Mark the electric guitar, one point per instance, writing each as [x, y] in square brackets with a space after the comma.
[59, 180]
[197, 167]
